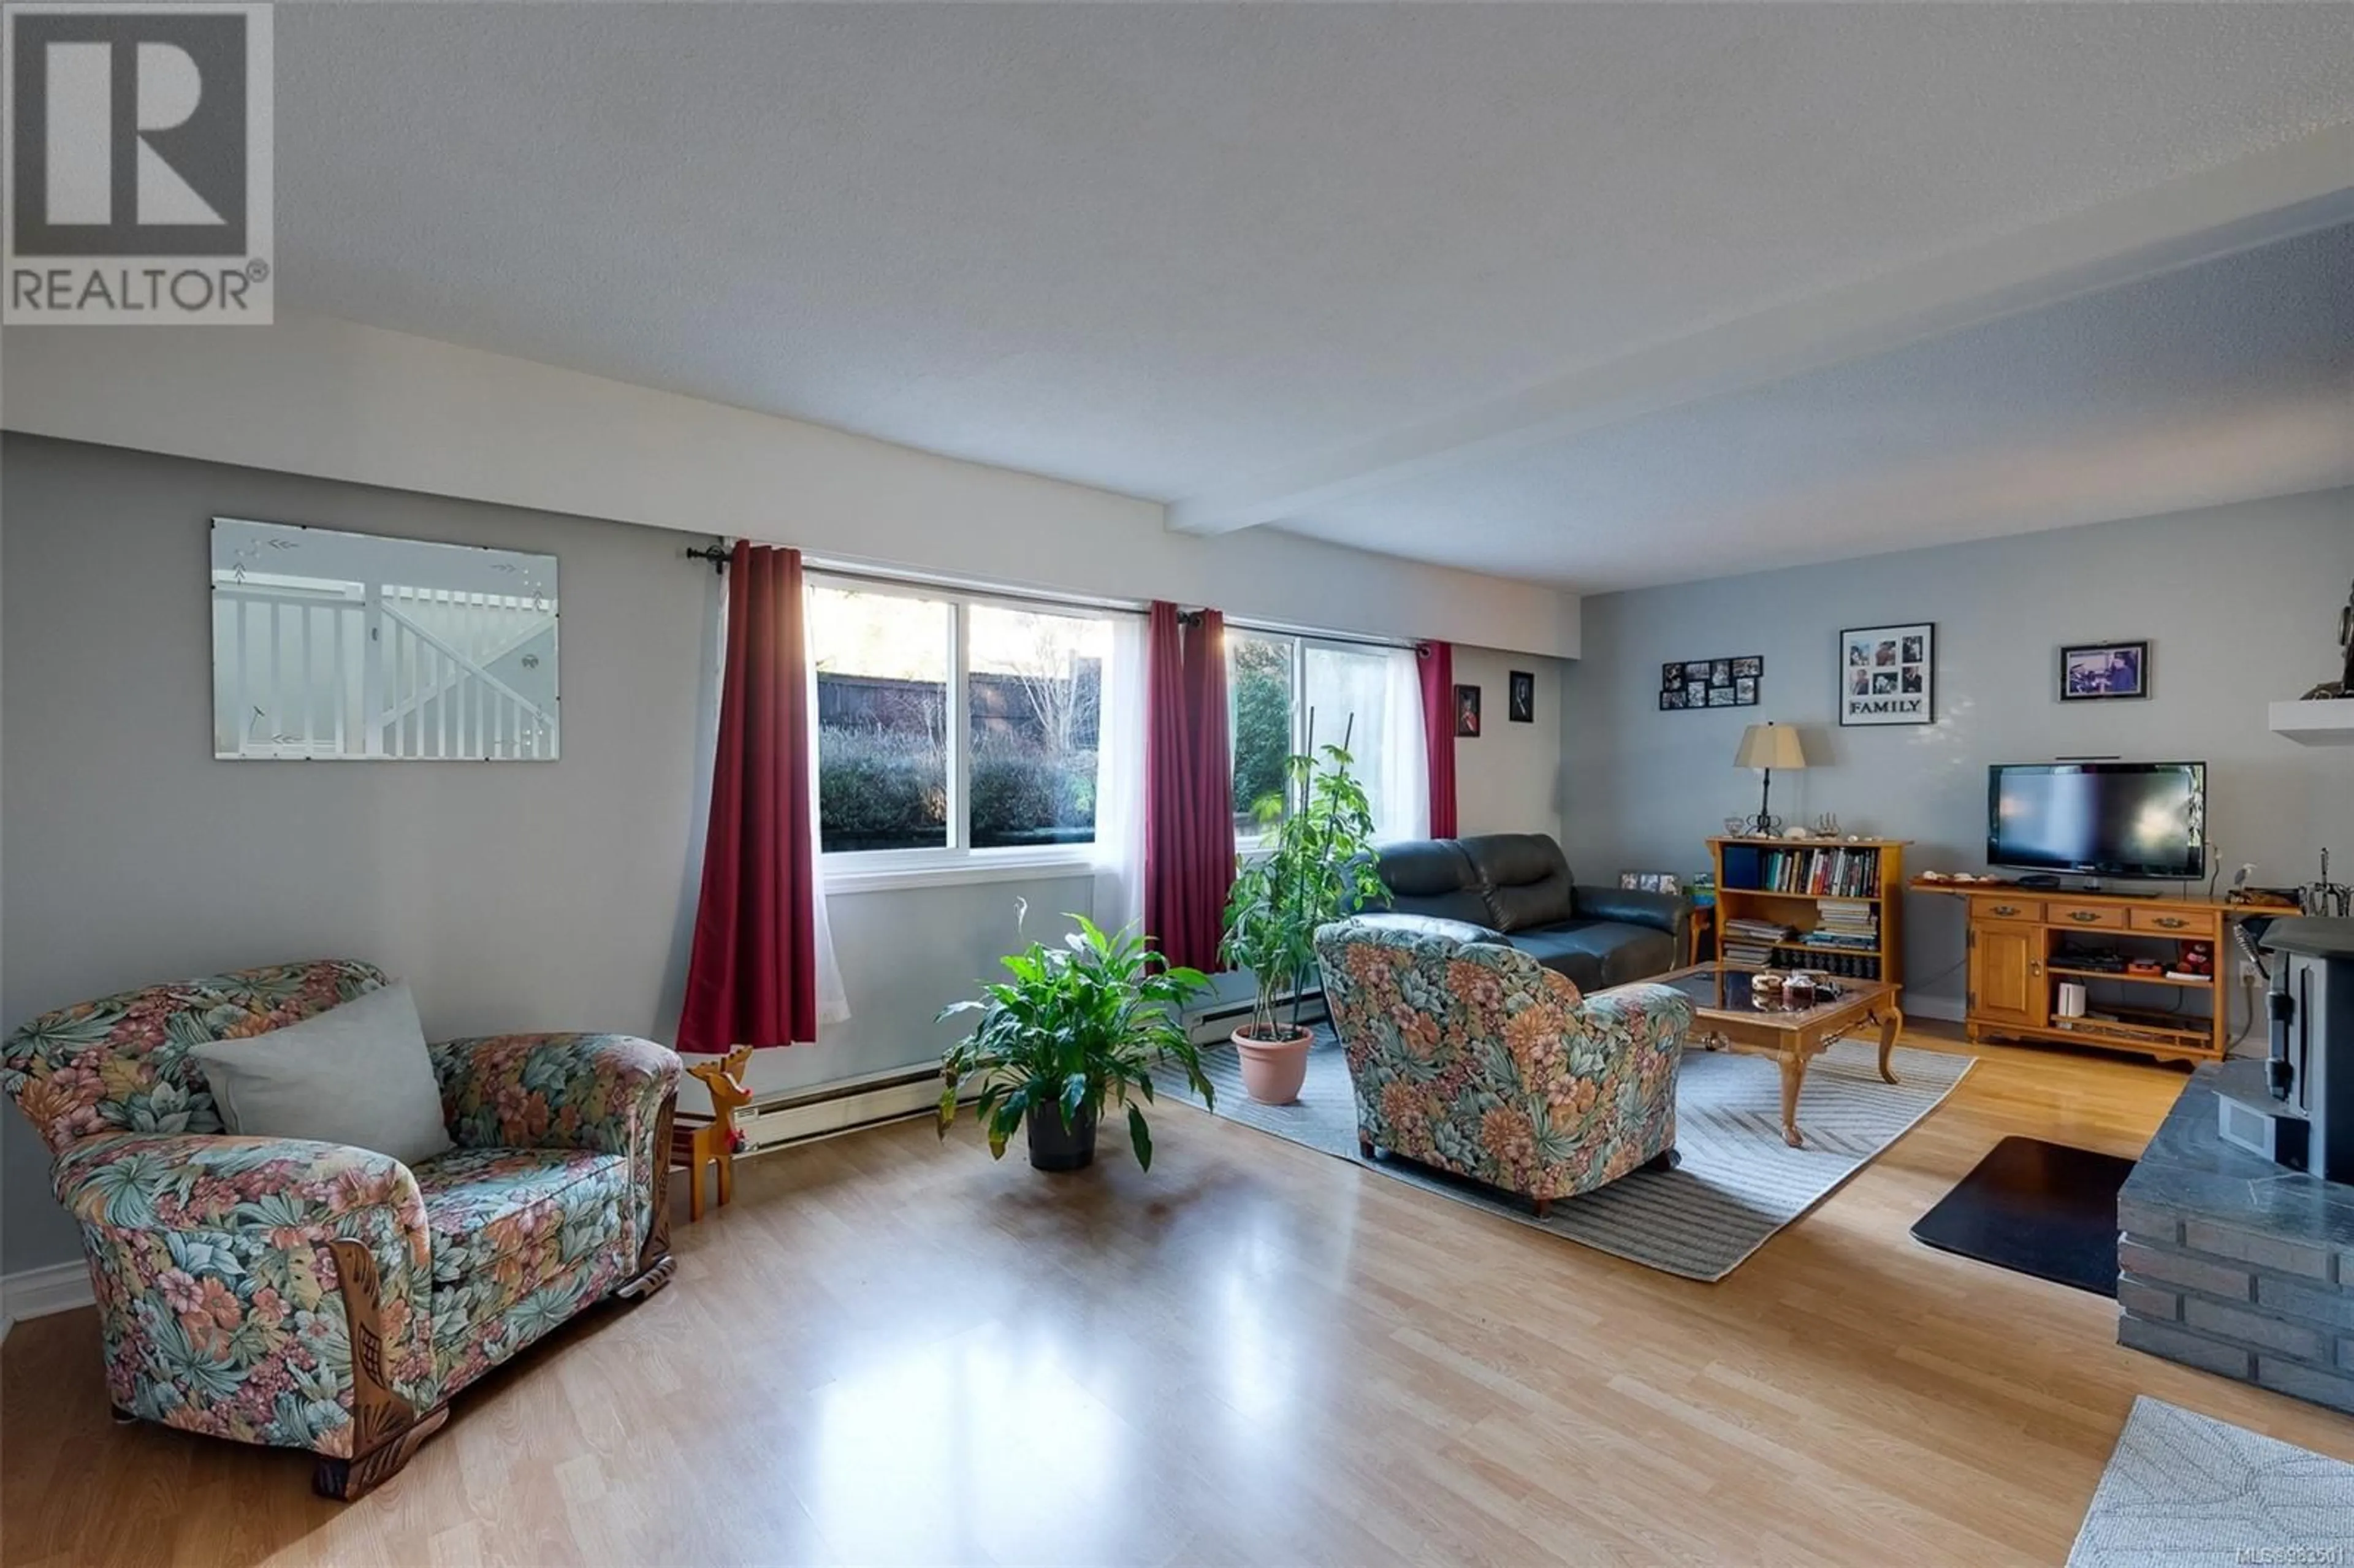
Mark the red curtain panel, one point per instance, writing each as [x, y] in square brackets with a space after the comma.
[1189, 814]
[1437, 663]
[752, 978]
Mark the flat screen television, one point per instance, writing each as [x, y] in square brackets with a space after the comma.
[2099, 819]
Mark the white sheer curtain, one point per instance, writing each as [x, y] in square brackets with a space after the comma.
[832, 997]
[1120, 779]
[1405, 797]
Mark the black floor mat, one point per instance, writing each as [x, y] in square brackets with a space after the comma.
[2036, 1208]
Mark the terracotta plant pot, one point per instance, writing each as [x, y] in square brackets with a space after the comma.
[1273, 1070]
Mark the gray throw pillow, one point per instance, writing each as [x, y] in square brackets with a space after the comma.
[357, 1074]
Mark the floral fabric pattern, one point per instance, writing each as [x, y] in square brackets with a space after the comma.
[1476, 1059]
[602, 1093]
[219, 1302]
[220, 1310]
[121, 1063]
[523, 1238]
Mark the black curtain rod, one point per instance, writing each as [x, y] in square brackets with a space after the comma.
[717, 555]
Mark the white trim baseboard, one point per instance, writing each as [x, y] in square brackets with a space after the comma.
[38, 1292]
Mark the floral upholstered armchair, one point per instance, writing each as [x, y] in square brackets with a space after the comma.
[1474, 1058]
[314, 1296]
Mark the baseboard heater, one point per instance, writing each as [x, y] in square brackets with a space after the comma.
[796, 1116]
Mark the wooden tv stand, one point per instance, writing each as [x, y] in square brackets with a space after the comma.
[2015, 973]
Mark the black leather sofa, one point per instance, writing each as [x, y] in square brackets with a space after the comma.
[1516, 888]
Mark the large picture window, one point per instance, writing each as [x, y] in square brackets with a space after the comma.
[910, 773]
[1289, 692]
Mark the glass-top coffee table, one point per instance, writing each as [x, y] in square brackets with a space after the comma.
[1728, 1017]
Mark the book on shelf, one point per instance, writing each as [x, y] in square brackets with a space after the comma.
[1843, 872]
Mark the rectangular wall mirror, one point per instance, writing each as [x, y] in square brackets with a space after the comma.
[330, 645]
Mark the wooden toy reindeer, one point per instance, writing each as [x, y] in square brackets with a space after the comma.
[698, 1142]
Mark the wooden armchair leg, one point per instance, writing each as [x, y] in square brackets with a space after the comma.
[386, 1430]
[1364, 1145]
[1541, 1206]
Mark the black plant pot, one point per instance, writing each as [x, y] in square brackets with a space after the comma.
[1054, 1147]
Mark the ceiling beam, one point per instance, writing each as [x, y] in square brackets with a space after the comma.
[2291, 189]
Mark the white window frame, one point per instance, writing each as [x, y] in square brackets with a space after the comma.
[854, 871]
[1251, 843]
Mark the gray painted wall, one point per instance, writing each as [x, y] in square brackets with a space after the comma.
[2240, 604]
[510, 895]
[541, 895]
[1508, 778]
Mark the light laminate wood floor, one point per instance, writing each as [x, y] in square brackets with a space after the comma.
[889, 1350]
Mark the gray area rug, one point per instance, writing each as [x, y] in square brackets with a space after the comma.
[2185, 1489]
[1738, 1184]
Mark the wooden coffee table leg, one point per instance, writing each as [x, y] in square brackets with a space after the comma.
[1794, 1073]
[1891, 1023]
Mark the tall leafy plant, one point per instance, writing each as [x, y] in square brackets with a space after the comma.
[1316, 865]
[1078, 1027]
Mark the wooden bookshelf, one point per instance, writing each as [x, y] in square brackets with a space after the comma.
[1790, 882]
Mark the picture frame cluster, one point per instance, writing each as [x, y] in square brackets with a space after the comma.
[1731, 682]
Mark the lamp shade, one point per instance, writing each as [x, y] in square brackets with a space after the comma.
[1770, 746]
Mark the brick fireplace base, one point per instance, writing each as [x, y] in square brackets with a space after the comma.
[2234, 1265]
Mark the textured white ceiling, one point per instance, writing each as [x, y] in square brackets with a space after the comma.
[2208, 385]
[1155, 248]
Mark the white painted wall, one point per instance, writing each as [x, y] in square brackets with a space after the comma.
[336, 400]
[2240, 604]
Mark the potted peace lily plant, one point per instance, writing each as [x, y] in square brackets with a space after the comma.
[1315, 866]
[1076, 1028]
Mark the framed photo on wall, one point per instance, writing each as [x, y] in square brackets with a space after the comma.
[2104, 672]
[1466, 712]
[1888, 675]
[1520, 702]
[1695, 684]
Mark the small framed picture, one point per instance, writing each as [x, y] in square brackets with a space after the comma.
[1671, 677]
[1649, 882]
[1720, 696]
[1745, 690]
[1520, 700]
[1466, 712]
[1672, 698]
[1888, 675]
[1749, 668]
[2104, 672]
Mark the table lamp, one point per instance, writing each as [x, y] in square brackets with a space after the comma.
[1768, 746]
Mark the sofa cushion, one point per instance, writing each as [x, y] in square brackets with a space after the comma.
[357, 1074]
[1560, 949]
[1434, 878]
[1599, 954]
[1430, 926]
[125, 1061]
[1528, 881]
[522, 1239]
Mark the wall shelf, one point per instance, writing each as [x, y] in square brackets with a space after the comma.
[2323, 722]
